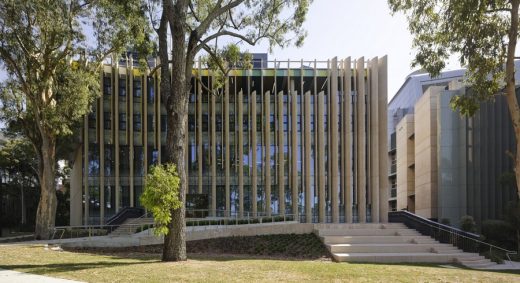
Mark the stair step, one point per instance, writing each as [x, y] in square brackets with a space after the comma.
[376, 239]
[367, 232]
[381, 248]
[394, 257]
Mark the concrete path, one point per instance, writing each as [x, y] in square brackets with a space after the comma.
[9, 276]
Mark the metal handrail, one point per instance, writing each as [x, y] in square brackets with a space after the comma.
[451, 230]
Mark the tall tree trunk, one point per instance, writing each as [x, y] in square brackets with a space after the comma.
[46, 214]
[177, 110]
[512, 100]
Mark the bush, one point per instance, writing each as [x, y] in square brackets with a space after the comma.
[446, 221]
[499, 233]
[467, 223]
[161, 195]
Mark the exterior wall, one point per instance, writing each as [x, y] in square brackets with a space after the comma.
[473, 160]
[274, 141]
[405, 148]
[426, 153]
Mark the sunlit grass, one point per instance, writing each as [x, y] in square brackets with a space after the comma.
[138, 267]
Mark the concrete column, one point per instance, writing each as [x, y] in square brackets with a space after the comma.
[101, 143]
[281, 163]
[85, 168]
[361, 139]
[253, 157]
[383, 143]
[307, 158]
[115, 92]
[294, 153]
[333, 143]
[130, 131]
[267, 155]
[227, 148]
[321, 159]
[199, 135]
[347, 138]
[76, 194]
[213, 156]
[374, 138]
[240, 154]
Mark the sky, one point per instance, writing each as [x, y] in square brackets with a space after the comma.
[355, 28]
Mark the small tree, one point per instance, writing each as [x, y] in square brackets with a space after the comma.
[161, 195]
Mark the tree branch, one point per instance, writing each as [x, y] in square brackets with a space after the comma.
[193, 12]
[217, 11]
[215, 56]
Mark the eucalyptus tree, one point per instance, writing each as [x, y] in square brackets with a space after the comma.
[483, 34]
[51, 52]
[195, 26]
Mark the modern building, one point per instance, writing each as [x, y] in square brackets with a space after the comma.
[448, 166]
[304, 138]
[403, 103]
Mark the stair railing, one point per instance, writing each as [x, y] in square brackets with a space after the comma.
[466, 241]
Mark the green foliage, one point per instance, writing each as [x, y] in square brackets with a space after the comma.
[161, 195]
[51, 63]
[476, 31]
[467, 223]
[498, 232]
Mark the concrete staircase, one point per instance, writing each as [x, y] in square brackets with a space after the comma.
[130, 226]
[391, 243]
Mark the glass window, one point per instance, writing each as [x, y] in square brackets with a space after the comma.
[107, 120]
[150, 123]
[137, 122]
[124, 160]
[122, 121]
[164, 123]
[137, 87]
[151, 90]
[122, 86]
[107, 85]
[205, 122]
[109, 160]
[138, 161]
[93, 160]
[92, 120]
[191, 123]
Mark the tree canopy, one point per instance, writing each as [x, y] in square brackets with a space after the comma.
[52, 52]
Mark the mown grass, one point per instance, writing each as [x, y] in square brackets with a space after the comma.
[142, 267]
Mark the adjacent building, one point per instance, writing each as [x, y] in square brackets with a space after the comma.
[305, 138]
[448, 166]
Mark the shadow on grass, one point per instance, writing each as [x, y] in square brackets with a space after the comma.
[65, 267]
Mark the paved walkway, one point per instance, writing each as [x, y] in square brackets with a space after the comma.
[9, 276]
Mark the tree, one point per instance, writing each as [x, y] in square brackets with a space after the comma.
[161, 195]
[52, 68]
[18, 164]
[484, 34]
[196, 25]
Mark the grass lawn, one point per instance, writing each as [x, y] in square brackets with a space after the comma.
[138, 267]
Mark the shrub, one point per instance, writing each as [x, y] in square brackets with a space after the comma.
[467, 223]
[499, 233]
[161, 195]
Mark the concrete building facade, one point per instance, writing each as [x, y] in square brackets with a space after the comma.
[305, 138]
[449, 166]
